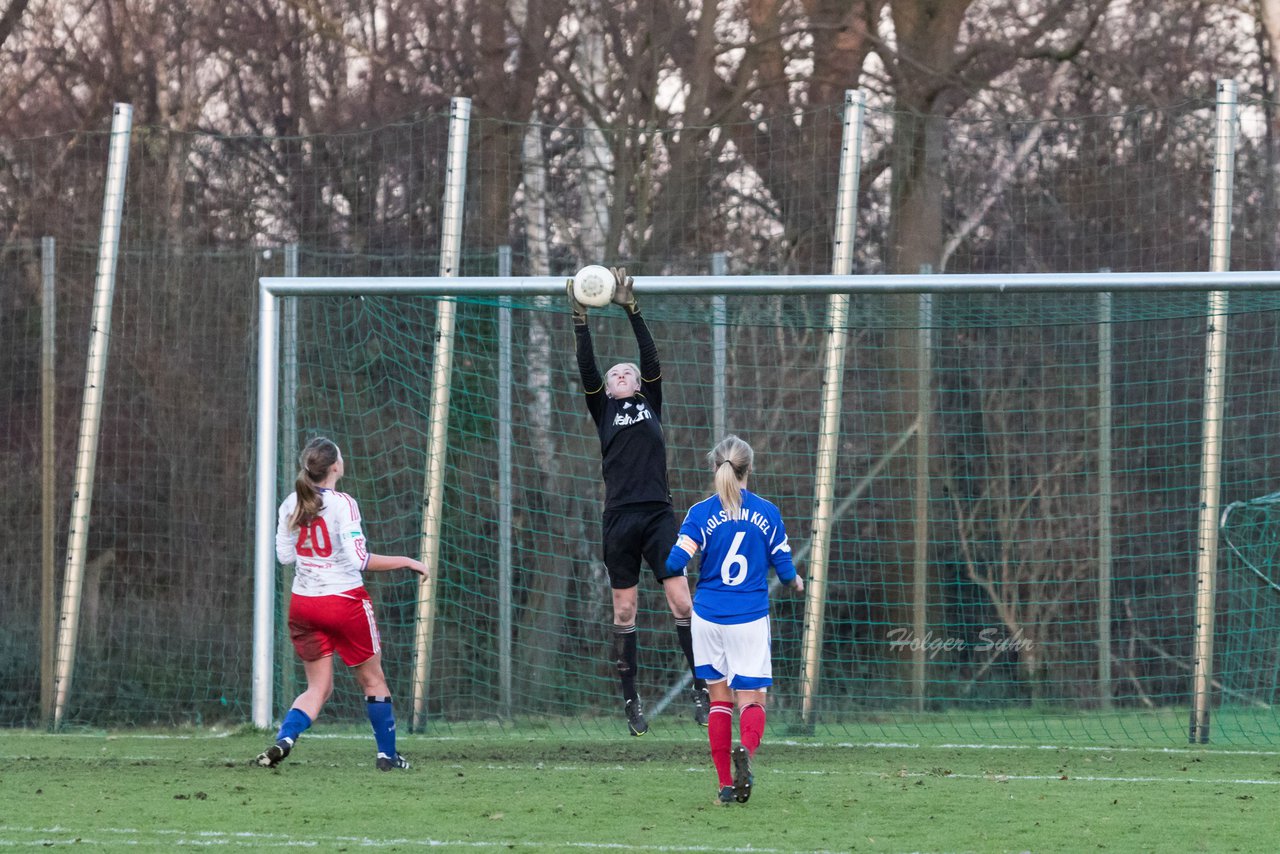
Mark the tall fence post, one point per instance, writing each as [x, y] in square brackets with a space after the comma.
[920, 560]
[719, 353]
[95, 374]
[48, 474]
[832, 390]
[289, 358]
[1104, 500]
[1215, 368]
[289, 439]
[505, 489]
[441, 377]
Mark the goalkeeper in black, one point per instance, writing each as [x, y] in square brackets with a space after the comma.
[638, 521]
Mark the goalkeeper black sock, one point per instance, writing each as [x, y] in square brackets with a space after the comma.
[685, 633]
[626, 657]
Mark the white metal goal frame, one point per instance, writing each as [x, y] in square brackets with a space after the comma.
[273, 291]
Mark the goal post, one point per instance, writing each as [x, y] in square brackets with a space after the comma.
[671, 300]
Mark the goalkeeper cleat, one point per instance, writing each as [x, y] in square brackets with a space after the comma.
[275, 754]
[701, 706]
[636, 723]
[726, 795]
[386, 763]
[742, 778]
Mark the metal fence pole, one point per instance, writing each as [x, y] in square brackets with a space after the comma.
[104, 288]
[719, 353]
[1214, 401]
[832, 389]
[289, 442]
[48, 469]
[1105, 488]
[920, 569]
[505, 489]
[441, 377]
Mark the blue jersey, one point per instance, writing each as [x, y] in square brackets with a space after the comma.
[733, 582]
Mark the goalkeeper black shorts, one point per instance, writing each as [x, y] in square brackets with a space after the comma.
[638, 531]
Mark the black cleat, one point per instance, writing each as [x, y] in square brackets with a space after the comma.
[726, 795]
[275, 754]
[701, 706]
[742, 778]
[636, 723]
[386, 763]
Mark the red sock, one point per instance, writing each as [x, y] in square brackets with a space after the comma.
[751, 726]
[720, 734]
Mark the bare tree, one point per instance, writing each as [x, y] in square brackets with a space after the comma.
[9, 20]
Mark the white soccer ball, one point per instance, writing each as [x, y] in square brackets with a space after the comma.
[593, 285]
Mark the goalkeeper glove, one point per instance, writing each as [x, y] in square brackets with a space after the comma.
[624, 294]
[579, 310]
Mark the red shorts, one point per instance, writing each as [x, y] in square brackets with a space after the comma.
[342, 623]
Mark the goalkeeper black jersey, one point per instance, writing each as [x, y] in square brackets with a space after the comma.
[632, 447]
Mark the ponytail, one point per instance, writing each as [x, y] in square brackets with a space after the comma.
[314, 463]
[729, 489]
[731, 459]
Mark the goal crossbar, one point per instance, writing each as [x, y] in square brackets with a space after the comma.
[992, 283]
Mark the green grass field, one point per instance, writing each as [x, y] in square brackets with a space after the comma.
[540, 791]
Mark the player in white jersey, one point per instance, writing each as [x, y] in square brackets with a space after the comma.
[330, 611]
[742, 537]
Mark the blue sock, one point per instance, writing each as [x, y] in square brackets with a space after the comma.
[383, 720]
[293, 725]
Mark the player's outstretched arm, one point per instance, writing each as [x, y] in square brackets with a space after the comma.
[578, 309]
[588, 370]
[383, 563]
[624, 295]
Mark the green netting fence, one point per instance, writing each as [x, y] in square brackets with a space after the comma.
[1014, 489]
[1248, 620]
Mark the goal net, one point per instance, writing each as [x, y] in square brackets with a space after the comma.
[1038, 553]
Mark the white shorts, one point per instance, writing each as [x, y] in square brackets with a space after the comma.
[738, 652]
